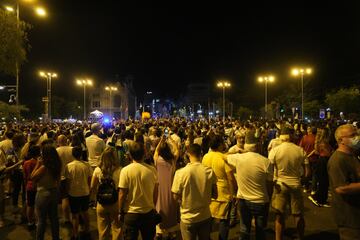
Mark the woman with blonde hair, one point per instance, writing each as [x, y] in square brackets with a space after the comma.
[104, 182]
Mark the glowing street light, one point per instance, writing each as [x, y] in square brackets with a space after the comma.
[48, 76]
[9, 9]
[39, 11]
[110, 89]
[84, 83]
[223, 85]
[266, 79]
[301, 71]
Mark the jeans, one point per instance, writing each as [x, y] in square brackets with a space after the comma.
[224, 224]
[315, 176]
[17, 180]
[248, 210]
[199, 230]
[143, 222]
[322, 194]
[224, 228]
[46, 205]
[234, 209]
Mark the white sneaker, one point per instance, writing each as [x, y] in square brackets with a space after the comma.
[313, 201]
[325, 205]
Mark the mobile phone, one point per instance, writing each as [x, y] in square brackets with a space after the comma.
[166, 132]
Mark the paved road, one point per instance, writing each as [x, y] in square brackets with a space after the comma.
[319, 225]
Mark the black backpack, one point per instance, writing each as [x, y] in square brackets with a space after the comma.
[107, 193]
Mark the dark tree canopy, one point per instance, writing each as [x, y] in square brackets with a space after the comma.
[13, 42]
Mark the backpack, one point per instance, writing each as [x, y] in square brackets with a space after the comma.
[107, 193]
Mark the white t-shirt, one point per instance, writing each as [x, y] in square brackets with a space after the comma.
[288, 159]
[140, 180]
[194, 184]
[95, 146]
[198, 140]
[234, 149]
[78, 174]
[252, 172]
[115, 176]
[65, 154]
[274, 143]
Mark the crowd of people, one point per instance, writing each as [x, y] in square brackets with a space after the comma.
[160, 177]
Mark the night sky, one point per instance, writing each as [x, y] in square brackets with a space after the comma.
[167, 46]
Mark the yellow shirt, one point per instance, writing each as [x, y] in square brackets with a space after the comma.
[215, 161]
[219, 207]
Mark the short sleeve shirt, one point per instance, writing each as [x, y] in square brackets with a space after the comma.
[140, 179]
[29, 166]
[252, 173]
[65, 154]
[194, 184]
[344, 169]
[288, 160]
[95, 147]
[215, 161]
[78, 173]
[115, 176]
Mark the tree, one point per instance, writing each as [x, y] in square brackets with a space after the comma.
[291, 98]
[62, 108]
[346, 100]
[8, 112]
[244, 113]
[13, 42]
[312, 108]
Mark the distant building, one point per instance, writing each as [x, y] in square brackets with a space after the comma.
[197, 98]
[156, 106]
[114, 99]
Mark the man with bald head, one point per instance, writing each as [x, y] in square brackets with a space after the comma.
[344, 178]
[65, 154]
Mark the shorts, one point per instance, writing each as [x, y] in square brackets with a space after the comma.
[63, 191]
[79, 204]
[288, 195]
[30, 198]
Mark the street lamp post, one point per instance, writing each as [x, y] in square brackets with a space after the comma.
[301, 72]
[110, 89]
[266, 79]
[48, 76]
[39, 11]
[223, 85]
[84, 83]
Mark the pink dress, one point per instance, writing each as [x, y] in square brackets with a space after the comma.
[166, 205]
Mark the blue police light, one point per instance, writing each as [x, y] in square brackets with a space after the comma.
[106, 120]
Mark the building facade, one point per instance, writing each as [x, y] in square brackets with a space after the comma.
[115, 100]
